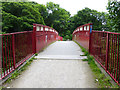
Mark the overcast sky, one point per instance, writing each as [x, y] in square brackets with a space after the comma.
[75, 5]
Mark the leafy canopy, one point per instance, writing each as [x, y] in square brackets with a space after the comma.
[20, 16]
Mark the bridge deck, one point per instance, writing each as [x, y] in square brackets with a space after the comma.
[58, 66]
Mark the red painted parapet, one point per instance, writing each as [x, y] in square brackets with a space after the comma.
[82, 35]
[43, 35]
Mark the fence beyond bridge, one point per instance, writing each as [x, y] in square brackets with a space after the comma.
[18, 47]
[104, 46]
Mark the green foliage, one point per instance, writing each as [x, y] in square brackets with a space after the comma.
[20, 16]
[57, 18]
[114, 15]
[90, 16]
[43, 10]
[36, 54]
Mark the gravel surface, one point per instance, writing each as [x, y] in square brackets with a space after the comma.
[58, 66]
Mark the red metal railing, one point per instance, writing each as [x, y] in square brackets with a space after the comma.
[104, 46]
[18, 47]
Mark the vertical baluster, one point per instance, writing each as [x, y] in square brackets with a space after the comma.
[107, 51]
[6, 55]
[3, 63]
[115, 55]
[13, 49]
[117, 76]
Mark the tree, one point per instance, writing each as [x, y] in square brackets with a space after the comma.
[43, 10]
[99, 19]
[114, 15]
[57, 17]
[19, 16]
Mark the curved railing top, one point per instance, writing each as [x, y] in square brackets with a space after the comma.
[40, 27]
[85, 27]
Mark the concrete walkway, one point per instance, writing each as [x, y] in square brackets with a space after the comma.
[59, 66]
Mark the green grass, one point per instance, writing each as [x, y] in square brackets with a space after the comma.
[101, 80]
[1, 88]
[36, 54]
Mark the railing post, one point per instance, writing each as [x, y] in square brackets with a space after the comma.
[34, 38]
[1, 55]
[13, 49]
[44, 36]
[107, 51]
[90, 33]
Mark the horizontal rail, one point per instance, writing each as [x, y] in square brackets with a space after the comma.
[107, 32]
[15, 33]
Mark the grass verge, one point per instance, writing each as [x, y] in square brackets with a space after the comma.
[100, 78]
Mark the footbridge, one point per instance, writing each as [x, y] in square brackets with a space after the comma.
[59, 63]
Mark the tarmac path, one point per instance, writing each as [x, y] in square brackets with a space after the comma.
[58, 66]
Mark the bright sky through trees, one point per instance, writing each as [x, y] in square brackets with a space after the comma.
[75, 5]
